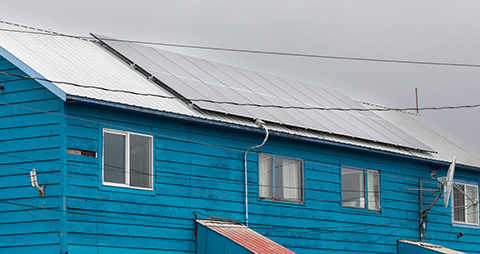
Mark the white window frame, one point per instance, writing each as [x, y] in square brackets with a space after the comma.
[127, 159]
[366, 201]
[302, 181]
[465, 202]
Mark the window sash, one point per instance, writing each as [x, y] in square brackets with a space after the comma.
[266, 176]
[140, 157]
[373, 183]
[361, 188]
[114, 157]
[353, 188]
[135, 162]
[280, 178]
[464, 211]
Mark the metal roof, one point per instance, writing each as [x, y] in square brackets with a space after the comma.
[84, 62]
[424, 247]
[246, 237]
[196, 78]
[445, 145]
[62, 58]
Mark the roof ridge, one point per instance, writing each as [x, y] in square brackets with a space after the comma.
[384, 107]
[42, 30]
[28, 27]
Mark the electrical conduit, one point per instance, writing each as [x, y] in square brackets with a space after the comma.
[260, 124]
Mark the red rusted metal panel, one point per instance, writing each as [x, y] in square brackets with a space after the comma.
[246, 237]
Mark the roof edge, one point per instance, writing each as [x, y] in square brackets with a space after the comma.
[253, 128]
[32, 73]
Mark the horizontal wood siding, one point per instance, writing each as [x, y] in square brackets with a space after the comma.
[204, 178]
[29, 139]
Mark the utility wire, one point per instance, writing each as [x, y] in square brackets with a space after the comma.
[142, 131]
[118, 126]
[216, 191]
[262, 52]
[249, 104]
[242, 104]
[123, 218]
[191, 177]
[69, 211]
[163, 136]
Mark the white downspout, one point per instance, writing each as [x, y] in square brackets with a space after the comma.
[260, 124]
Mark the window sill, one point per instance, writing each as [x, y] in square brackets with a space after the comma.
[360, 210]
[126, 189]
[465, 225]
[281, 202]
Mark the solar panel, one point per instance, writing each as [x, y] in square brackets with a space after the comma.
[196, 78]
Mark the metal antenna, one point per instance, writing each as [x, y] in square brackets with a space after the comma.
[447, 184]
[416, 98]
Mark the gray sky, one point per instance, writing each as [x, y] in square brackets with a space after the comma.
[429, 30]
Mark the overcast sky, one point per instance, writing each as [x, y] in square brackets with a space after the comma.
[427, 31]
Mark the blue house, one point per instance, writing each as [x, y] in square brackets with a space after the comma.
[141, 150]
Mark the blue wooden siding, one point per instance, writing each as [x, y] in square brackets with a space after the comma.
[207, 180]
[29, 139]
[191, 179]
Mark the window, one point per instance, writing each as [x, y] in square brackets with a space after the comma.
[127, 159]
[465, 209]
[354, 185]
[280, 178]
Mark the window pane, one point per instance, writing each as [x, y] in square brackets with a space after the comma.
[288, 179]
[353, 188]
[458, 204]
[373, 183]
[140, 161]
[265, 176]
[114, 158]
[472, 210]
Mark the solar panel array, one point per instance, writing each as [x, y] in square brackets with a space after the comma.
[196, 78]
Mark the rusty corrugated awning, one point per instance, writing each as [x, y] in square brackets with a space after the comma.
[241, 235]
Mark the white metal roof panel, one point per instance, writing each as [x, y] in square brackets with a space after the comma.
[70, 59]
[224, 83]
[445, 145]
[60, 58]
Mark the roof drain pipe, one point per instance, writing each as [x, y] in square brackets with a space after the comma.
[260, 124]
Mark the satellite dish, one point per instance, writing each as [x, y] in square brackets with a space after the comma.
[448, 182]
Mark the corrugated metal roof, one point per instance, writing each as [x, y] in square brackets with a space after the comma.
[73, 60]
[246, 237]
[446, 145]
[84, 62]
[196, 78]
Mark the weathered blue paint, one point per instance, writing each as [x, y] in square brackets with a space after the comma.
[28, 140]
[211, 242]
[198, 171]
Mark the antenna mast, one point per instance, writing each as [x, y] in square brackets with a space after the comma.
[446, 184]
[416, 98]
